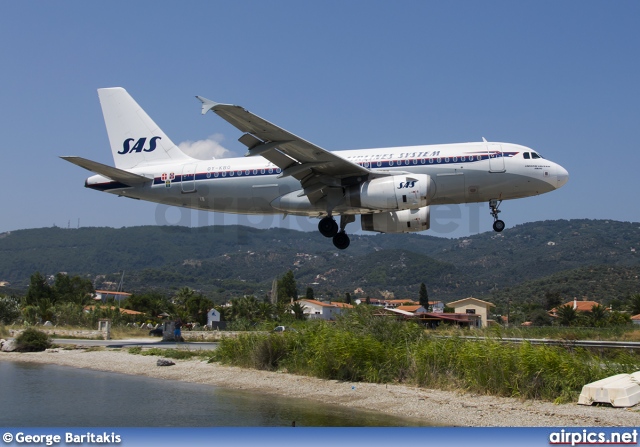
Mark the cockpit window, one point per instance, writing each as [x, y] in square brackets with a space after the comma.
[534, 155]
[526, 156]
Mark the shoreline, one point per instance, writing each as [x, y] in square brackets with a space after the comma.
[441, 408]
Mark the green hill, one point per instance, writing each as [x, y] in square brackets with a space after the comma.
[525, 261]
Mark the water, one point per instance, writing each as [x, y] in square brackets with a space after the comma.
[34, 395]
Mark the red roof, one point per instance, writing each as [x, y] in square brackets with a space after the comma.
[582, 306]
[319, 303]
[339, 304]
[409, 308]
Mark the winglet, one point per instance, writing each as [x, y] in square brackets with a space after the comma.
[207, 104]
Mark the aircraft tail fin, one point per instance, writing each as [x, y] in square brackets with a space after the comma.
[136, 140]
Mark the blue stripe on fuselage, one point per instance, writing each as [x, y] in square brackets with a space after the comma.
[435, 161]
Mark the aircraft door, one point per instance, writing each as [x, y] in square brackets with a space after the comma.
[496, 159]
[189, 178]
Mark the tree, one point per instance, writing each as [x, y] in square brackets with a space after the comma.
[265, 311]
[298, 311]
[424, 296]
[567, 315]
[634, 305]
[347, 298]
[38, 290]
[245, 308]
[69, 314]
[9, 309]
[552, 300]
[183, 295]
[152, 303]
[539, 317]
[197, 307]
[309, 293]
[598, 316]
[71, 289]
[618, 319]
[287, 288]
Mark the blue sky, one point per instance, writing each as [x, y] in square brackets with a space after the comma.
[560, 77]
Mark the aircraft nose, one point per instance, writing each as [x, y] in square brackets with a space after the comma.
[562, 176]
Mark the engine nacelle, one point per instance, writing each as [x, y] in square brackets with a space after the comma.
[405, 221]
[397, 192]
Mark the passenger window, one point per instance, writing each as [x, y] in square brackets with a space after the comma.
[526, 156]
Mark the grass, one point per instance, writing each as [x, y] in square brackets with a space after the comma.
[360, 347]
[626, 333]
[178, 354]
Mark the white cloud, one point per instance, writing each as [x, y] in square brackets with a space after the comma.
[206, 149]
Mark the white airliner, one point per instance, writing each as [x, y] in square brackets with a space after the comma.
[391, 188]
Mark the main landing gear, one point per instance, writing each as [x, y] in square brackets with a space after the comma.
[329, 228]
[498, 225]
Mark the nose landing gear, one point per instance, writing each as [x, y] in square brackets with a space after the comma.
[498, 225]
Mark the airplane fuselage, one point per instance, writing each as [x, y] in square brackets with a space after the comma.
[460, 173]
[391, 188]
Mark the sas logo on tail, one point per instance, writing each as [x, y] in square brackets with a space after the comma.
[139, 146]
[407, 185]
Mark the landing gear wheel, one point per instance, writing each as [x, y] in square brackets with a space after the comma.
[498, 225]
[341, 240]
[328, 227]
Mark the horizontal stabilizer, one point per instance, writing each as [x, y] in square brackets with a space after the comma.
[118, 175]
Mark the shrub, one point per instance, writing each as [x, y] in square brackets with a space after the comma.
[32, 340]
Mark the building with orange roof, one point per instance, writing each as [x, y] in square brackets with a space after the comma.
[578, 306]
[414, 309]
[315, 309]
[342, 305]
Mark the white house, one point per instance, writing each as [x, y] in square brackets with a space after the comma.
[317, 309]
[473, 306]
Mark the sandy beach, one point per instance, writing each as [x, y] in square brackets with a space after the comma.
[438, 407]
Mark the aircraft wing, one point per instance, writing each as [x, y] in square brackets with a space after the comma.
[313, 166]
[118, 175]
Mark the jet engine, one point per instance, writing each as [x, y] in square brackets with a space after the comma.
[397, 192]
[405, 221]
